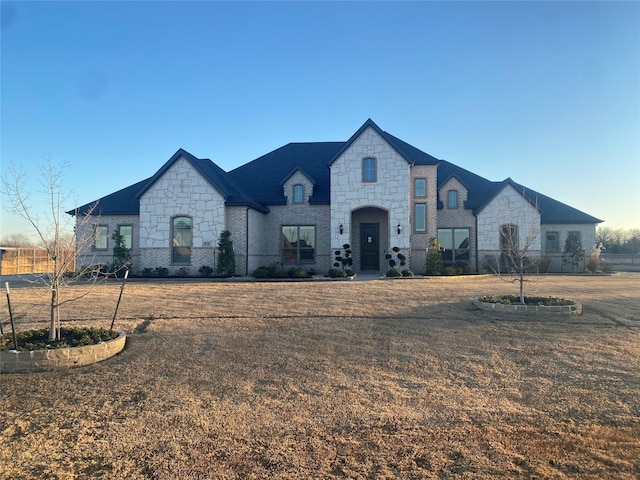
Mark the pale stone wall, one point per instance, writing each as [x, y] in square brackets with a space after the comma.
[180, 191]
[508, 207]
[390, 192]
[420, 240]
[60, 358]
[90, 256]
[587, 232]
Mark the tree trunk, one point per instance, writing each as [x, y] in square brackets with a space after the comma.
[53, 331]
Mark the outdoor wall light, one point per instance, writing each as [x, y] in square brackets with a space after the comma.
[341, 229]
[399, 229]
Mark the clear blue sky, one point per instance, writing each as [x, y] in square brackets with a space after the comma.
[547, 93]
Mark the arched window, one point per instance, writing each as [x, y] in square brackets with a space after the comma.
[181, 239]
[298, 193]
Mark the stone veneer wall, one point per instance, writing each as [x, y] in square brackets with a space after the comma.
[390, 192]
[509, 206]
[180, 191]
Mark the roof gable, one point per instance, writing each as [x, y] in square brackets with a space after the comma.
[409, 153]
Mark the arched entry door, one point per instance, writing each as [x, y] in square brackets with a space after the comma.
[370, 246]
[370, 238]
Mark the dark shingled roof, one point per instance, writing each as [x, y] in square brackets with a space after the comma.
[481, 191]
[263, 176]
[258, 184]
[122, 202]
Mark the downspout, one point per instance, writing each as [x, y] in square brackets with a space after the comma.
[476, 242]
[246, 241]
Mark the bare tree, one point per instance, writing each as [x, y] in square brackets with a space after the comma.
[17, 240]
[53, 232]
[517, 258]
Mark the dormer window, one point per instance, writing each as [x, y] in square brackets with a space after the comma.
[298, 193]
[452, 199]
[369, 170]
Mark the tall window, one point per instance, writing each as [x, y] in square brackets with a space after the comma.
[298, 244]
[126, 232]
[452, 199]
[552, 242]
[182, 239]
[100, 236]
[369, 170]
[455, 244]
[298, 193]
[509, 242]
[420, 187]
[420, 217]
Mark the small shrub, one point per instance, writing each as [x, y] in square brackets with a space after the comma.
[393, 273]
[205, 271]
[161, 271]
[261, 272]
[336, 273]
[146, 272]
[182, 272]
[407, 273]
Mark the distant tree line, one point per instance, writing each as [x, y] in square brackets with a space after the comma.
[619, 240]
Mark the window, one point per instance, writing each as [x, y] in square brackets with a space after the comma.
[298, 244]
[298, 194]
[455, 244]
[126, 232]
[420, 187]
[369, 170]
[100, 237]
[553, 242]
[452, 199]
[509, 242]
[182, 238]
[420, 217]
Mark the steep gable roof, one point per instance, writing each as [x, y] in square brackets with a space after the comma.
[263, 176]
[410, 153]
[258, 183]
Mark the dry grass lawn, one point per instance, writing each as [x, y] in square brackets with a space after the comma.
[376, 379]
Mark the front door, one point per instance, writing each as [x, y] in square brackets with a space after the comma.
[370, 246]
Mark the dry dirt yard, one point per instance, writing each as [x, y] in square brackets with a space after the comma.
[364, 379]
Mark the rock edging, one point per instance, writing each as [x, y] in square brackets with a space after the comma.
[60, 358]
[574, 309]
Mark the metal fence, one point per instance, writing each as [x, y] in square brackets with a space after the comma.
[17, 261]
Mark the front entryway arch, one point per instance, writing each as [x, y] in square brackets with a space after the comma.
[369, 238]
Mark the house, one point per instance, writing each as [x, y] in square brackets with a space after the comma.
[300, 203]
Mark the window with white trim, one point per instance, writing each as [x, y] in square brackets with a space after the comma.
[182, 239]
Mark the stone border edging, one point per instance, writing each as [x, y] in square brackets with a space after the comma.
[60, 358]
[574, 309]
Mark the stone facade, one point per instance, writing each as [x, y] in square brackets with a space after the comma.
[386, 203]
[181, 191]
[508, 207]
[389, 193]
